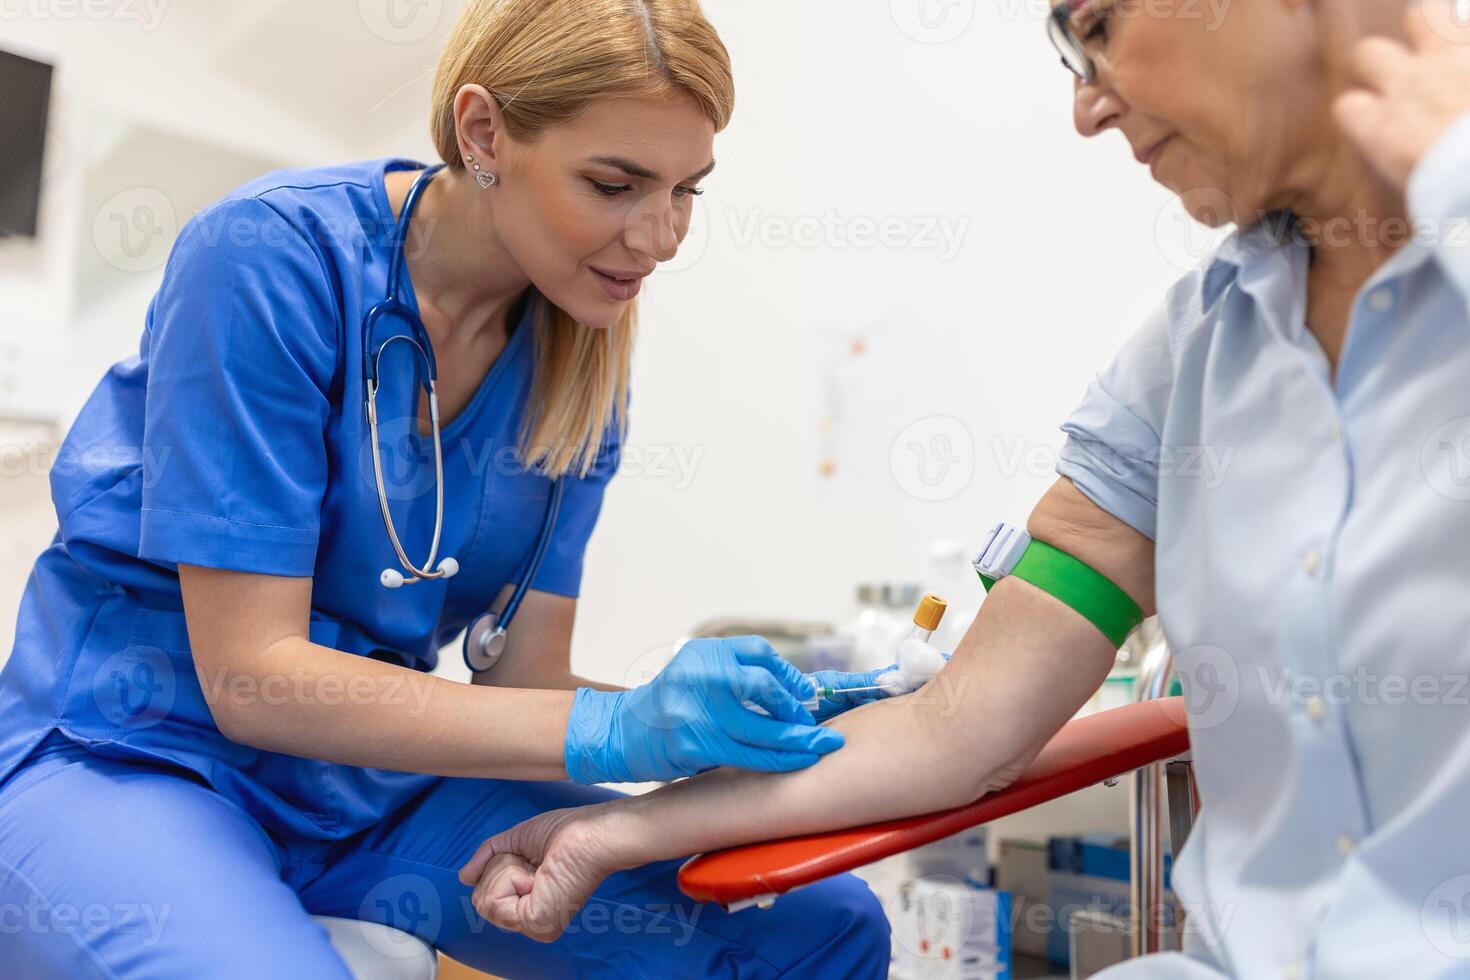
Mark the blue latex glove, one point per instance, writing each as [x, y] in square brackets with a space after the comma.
[843, 700]
[691, 717]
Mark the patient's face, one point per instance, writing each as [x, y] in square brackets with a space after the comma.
[1234, 89]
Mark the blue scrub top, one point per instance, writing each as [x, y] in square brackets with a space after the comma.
[236, 438]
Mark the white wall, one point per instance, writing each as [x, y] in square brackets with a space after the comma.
[839, 110]
[848, 112]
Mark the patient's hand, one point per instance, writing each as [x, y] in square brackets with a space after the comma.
[534, 877]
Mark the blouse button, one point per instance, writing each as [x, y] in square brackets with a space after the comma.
[1316, 708]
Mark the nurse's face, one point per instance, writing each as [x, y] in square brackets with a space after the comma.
[593, 206]
[1222, 101]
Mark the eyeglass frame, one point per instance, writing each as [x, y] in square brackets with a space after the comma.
[1059, 32]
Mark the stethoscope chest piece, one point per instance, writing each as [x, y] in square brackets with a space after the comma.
[484, 643]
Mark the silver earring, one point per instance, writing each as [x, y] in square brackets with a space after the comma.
[484, 178]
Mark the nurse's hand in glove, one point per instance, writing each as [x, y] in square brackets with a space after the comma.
[696, 715]
[917, 663]
[843, 699]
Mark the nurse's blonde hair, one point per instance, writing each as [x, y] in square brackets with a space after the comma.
[545, 61]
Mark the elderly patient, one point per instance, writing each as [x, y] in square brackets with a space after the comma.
[1314, 590]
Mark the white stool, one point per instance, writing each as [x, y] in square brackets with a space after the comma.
[378, 952]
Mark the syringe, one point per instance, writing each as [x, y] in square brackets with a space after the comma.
[827, 692]
[926, 620]
[822, 691]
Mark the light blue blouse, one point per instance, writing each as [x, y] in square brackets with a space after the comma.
[1313, 580]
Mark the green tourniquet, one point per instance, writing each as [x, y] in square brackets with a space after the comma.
[1080, 586]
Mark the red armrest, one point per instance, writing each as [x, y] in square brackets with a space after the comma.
[1086, 751]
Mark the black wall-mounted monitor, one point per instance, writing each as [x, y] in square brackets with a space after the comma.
[25, 100]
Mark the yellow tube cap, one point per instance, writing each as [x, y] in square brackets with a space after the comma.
[930, 611]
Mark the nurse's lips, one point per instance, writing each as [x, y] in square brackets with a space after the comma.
[620, 285]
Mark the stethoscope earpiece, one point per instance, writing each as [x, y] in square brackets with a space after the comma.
[392, 578]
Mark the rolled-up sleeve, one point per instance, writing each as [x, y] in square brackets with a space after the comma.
[241, 351]
[1439, 201]
[1113, 444]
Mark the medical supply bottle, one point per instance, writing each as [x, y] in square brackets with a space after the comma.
[927, 617]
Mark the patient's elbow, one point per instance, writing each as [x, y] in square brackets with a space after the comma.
[975, 770]
[999, 777]
[960, 789]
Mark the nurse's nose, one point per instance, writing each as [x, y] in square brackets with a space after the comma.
[655, 228]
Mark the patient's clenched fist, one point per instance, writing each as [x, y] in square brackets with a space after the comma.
[503, 896]
[536, 876]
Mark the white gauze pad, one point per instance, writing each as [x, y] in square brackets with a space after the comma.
[918, 662]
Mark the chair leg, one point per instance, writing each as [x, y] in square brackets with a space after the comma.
[1146, 814]
[1146, 877]
[1179, 777]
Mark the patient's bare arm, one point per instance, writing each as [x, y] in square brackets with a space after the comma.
[1024, 668]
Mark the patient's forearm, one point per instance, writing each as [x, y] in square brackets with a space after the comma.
[1022, 671]
[1027, 664]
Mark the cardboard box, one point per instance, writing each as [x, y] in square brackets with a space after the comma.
[962, 856]
[1090, 872]
[947, 930]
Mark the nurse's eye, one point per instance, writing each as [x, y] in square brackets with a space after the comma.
[610, 190]
[682, 191]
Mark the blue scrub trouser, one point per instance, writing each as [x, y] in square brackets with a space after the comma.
[118, 869]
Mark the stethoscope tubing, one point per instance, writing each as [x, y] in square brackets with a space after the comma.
[372, 360]
[371, 372]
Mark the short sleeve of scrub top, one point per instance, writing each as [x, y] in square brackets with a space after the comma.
[243, 356]
[1113, 441]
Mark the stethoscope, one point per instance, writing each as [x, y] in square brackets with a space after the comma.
[484, 641]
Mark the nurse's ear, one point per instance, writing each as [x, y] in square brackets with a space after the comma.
[481, 128]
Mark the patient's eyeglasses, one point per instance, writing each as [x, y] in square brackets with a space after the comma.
[1060, 30]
